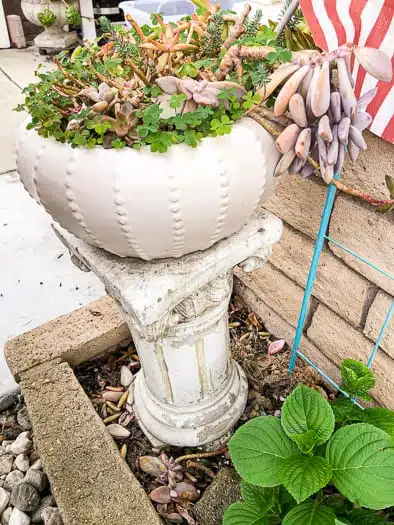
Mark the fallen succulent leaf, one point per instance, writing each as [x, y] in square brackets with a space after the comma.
[117, 431]
[276, 346]
[126, 377]
[161, 495]
[174, 517]
[112, 396]
[152, 465]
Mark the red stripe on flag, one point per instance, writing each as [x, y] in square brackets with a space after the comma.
[375, 40]
[388, 133]
[355, 9]
[383, 90]
[331, 8]
[313, 22]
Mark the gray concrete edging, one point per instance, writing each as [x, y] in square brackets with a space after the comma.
[91, 482]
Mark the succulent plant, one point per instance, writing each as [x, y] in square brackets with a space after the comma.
[174, 494]
[198, 92]
[46, 17]
[160, 85]
[327, 119]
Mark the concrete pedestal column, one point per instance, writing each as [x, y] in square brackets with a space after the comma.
[189, 391]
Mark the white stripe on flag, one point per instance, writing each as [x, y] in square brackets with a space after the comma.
[344, 16]
[384, 114]
[326, 24]
[369, 17]
[387, 46]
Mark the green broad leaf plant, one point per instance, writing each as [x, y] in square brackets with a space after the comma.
[321, 463]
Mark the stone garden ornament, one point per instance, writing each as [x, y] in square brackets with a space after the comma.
[53, 15]
[161, 145]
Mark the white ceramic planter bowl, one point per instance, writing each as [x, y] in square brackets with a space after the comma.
[151, 205]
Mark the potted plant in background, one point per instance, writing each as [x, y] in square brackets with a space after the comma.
[162, 142]
[53, 15]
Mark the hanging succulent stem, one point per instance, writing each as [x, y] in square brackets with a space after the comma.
[136, 28]
[69, 75]
[137, 71]
[286, 17]
[236, 54]
[264, 122]
[361, 195]
[238, 28]
[269, 115]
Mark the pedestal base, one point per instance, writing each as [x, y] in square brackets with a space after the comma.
[190, 392]
[55, 39]
[198, 424]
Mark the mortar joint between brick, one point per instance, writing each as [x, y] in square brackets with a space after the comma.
[372, 293]
[313, 304]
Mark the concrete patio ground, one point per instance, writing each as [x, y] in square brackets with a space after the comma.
[38, 282]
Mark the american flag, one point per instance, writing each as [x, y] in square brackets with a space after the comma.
[366, 23]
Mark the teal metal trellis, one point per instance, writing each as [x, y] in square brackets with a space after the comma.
[321, 238]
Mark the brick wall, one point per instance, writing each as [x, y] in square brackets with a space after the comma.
[350, 300]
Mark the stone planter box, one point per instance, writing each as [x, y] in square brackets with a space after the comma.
[90, 480]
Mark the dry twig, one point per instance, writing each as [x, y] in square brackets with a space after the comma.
[201, 455]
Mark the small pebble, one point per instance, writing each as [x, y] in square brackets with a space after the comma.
[5, 517]
[8, 399]
[6, 442]
[126, 377]
[25, 497]
[47, 501]
[37, 478]
[277, 413]
[6, 464]
[4, 499]
[37, 465]
[23, 419]
[22, 463]
[21, 445]
[19, 518]
[12, 480]
[52, 516]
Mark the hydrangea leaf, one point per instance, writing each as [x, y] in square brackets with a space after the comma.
[362, 462]
[258, 449]
[303, 475]
[307, 417]
[310, 513]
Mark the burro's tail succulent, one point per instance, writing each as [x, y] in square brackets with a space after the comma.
[328, 119]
